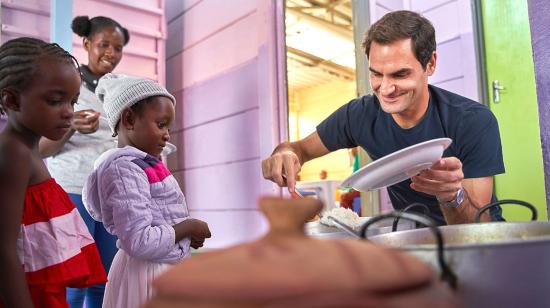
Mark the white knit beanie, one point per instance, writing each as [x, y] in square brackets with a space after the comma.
[118, 92]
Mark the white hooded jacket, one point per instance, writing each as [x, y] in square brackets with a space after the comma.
[138, 200]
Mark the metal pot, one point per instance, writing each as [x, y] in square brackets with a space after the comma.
[490, 264]
[318, 230]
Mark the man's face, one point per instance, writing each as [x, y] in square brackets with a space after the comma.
[398, 79]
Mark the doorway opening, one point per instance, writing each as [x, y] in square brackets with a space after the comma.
[321, 77]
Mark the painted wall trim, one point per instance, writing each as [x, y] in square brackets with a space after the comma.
[60, 18]
[539, 11]
[480, 53]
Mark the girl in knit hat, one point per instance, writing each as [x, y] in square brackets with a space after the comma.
[133, 193]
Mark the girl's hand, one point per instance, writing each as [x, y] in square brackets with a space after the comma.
[199, 229]
[199, 232]
[86, 121]
[196, 230]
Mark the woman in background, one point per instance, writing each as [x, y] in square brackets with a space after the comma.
[71, 157]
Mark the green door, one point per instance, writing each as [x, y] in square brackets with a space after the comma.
[509, 60]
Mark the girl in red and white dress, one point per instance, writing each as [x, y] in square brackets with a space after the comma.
[44, 243]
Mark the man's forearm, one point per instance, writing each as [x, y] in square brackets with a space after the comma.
[291, 147]
[465, 213]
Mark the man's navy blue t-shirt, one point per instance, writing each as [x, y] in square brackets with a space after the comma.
[472, 127]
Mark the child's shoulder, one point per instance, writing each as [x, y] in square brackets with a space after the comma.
[126, 158]
[14, 158]
[13, 149]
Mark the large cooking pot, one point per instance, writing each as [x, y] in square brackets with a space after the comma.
[318, 230]
[496, 264]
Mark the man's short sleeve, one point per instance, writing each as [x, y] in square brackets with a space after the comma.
[480, 149]
[335, 131]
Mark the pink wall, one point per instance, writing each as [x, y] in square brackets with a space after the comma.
[221, 65]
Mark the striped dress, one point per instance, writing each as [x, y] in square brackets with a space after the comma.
[54, 245]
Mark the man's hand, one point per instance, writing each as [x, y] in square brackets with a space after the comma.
[282, 167]
[285, 162]
[86, 121]
[442, 180]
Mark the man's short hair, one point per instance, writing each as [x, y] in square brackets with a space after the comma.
[401, 25]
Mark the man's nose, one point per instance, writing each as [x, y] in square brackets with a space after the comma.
[387, 86]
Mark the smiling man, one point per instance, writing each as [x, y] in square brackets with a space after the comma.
[406, 110]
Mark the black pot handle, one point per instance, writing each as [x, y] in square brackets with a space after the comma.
[447, 273]
[534, 213]
[424, 207]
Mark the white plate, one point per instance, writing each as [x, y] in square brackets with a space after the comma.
[397, 166]
[168, 149]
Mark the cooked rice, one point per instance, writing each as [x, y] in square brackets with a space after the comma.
[344, 215]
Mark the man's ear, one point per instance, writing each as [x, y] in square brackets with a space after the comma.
[430, 66]
[9, 99]
[127, 119]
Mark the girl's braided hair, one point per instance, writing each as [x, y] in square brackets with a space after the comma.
[18, 57]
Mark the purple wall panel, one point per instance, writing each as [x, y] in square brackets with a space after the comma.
[229, 178]
[225, 141]
[391, 4]
[177, 8]
[204, 61]
[222, 96]
[223, 50]
[539, 15]
[175, 160]
[453, 85]
[177, 126]
[174, 9]
[449, 53]
[424, 6]
[186, 31]
[174, 73]
[224, 112]
[445, 19]
[174, 43]
[25, 18]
